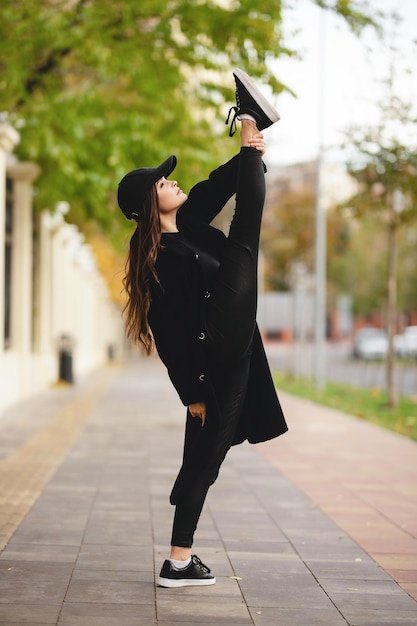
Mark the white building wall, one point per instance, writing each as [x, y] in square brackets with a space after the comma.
[9, 138]
[56, 290]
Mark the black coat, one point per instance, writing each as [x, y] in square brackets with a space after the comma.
[176, 318]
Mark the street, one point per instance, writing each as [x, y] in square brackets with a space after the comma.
[340, 366]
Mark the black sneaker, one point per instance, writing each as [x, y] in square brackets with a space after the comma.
[250, 100]
[196, 573]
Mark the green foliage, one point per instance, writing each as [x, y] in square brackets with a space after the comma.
[389, 167]
[384, 162]
[407, 261]
[100, 87]
[289, 233]
[357, 13]
[360, 269]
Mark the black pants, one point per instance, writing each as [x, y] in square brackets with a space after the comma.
[230, 324]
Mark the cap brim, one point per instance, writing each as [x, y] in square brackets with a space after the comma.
[165, 169]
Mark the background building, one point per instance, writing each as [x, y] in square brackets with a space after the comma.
[53, 300]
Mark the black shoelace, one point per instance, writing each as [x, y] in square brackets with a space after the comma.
[236, 109]
[233, 125]
[200, 564]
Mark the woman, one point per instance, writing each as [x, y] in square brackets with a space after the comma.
[193, 293]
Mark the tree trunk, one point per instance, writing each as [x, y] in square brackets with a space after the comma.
[392, 308]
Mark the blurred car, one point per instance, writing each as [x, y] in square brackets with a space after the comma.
[370, 343]
[406, 343]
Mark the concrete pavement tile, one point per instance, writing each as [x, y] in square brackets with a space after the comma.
[118, 558]
[28, 586]
[125, 514]
[203, 605]
[113, 575]
[122, 488]
[374, 617]
[296, 616]
[349, 570]
[105, 614]
[70, 470]
[369, 594]
[53, 515]
[39, 552]
[311, 549]
[26, 569]
[119, 533]
[29, 614]
[57, 533]
[115, 538]
[284, 591]
[122, 503]
[65, 499]
[232, 514]
[334, 538]
[248, 545]
[245, 532]
[252, 562]
[272, 582]
[111, 592]
[196, 622]
[307, 516]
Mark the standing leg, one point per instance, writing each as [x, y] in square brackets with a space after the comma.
[195, 478]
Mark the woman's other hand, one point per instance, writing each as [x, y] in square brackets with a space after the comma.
[198, 409]
[257, 141]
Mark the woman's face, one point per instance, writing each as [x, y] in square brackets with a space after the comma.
[170, 196]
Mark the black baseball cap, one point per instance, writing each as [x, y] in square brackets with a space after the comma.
[135, 184]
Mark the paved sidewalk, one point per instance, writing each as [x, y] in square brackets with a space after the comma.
[301, 531]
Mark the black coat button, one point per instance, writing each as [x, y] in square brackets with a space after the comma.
[207, 294]
[202, 377]
[202, 335]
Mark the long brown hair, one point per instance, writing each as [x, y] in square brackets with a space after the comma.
[140, 272]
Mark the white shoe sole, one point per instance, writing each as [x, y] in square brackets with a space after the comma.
[268, 109]
[186, 582]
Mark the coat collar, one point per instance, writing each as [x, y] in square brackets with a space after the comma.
[175, 243]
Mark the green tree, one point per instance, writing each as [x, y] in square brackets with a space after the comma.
[386, 169]
[98, 87]
[289, 233]
[365, 247]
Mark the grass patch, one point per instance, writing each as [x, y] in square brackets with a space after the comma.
[367, 404]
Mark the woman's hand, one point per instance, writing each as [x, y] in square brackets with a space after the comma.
[198, 409]
[257, 141]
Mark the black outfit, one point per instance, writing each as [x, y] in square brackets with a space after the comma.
[203, 318]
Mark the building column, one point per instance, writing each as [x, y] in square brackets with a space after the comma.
[9, 138]
[22, 175]
[42, 321]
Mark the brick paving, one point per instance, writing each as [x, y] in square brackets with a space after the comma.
[317, 527]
